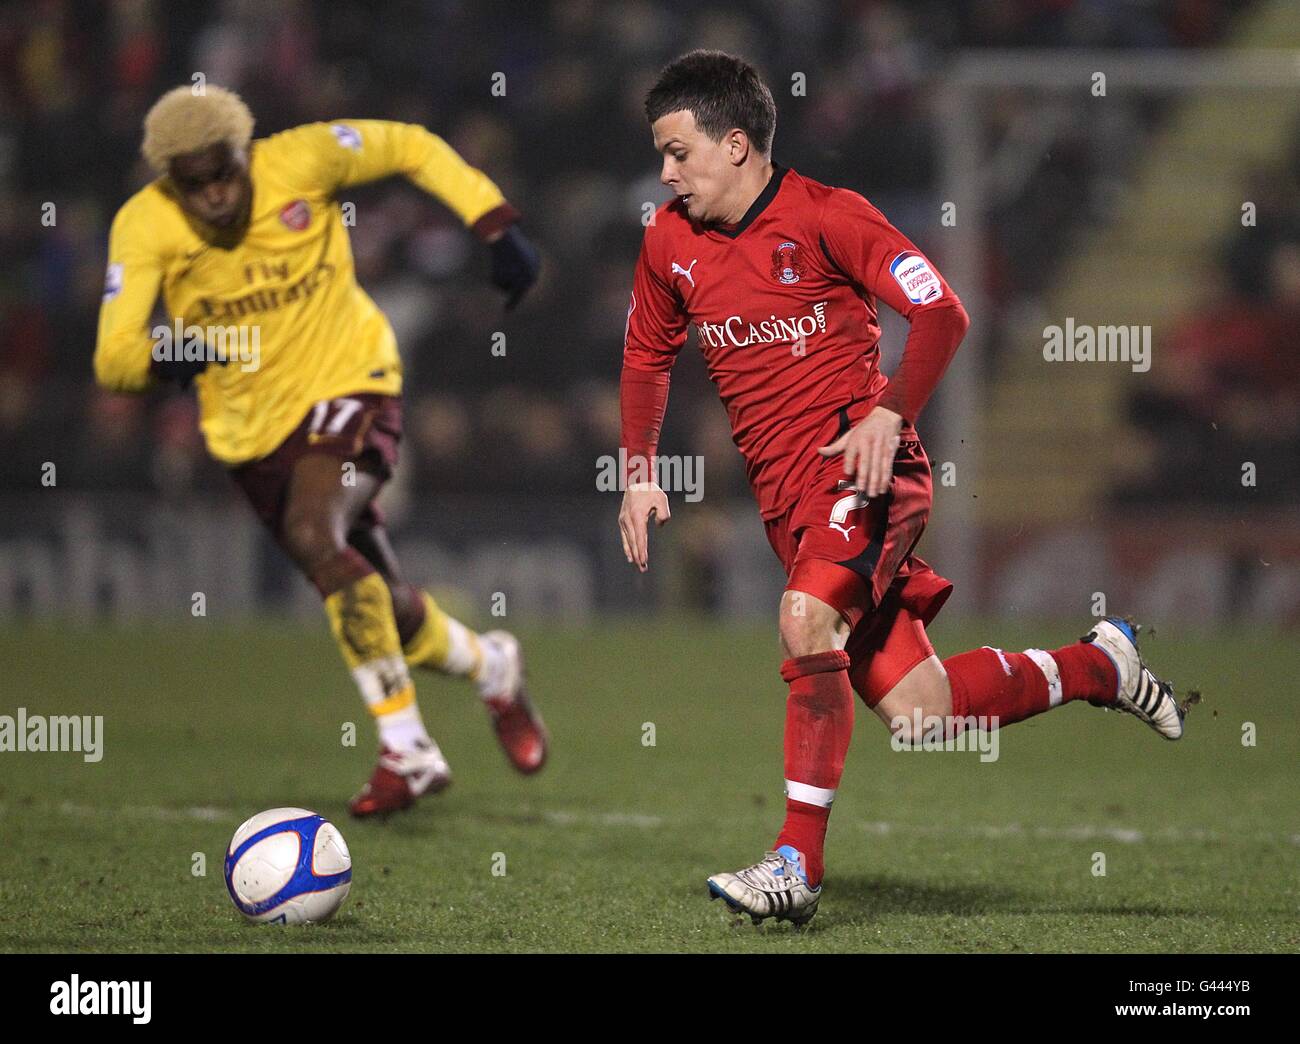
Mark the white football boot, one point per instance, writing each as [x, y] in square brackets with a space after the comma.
[1140, 692]
[776, 887]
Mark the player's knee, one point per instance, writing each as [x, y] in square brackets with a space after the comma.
[310, 538]
[919, 704]
[808, 625]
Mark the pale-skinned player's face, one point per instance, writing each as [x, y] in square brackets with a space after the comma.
[213, 185]
[705, 174]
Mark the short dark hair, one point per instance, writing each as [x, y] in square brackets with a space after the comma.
[722, 91]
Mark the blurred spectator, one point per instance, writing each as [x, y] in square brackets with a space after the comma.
[566, 141]
[1227, 391]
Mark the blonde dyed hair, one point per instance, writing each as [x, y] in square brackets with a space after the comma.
[182, 121]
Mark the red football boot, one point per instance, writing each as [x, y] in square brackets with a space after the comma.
[518, 726]
[400, 778]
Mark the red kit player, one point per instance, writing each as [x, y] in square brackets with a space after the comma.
[781, 276]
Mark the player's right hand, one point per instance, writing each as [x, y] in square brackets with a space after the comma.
[640, 502]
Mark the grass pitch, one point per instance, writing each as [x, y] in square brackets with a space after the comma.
[609, 847]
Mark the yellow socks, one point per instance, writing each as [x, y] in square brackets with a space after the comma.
[444, 644]
[361, 617]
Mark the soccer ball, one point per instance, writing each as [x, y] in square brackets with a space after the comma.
[288, 866]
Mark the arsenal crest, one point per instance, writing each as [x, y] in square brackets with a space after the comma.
[296, 215]
[787, 266]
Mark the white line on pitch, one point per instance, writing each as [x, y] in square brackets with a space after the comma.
[207, 814]
[635, 819]
[203, 813]
[1082, 832]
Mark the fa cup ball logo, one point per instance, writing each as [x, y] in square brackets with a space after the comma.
[786, 264]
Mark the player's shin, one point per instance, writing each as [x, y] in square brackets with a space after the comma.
[444, 644]
[997, 688]
[360, 611]
[818, 727]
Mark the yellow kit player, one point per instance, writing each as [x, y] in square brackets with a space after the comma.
[299, 380]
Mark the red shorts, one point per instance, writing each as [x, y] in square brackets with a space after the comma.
[856, 555]
[364, 428]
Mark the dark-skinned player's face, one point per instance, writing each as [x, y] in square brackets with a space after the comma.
[213, 185]
[702, 172]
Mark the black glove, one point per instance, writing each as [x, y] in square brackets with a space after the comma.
[179, 371]
[515, 264]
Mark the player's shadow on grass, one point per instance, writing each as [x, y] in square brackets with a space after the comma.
[861, 898]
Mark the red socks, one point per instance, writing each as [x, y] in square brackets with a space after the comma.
[818, 727]
[988, 683]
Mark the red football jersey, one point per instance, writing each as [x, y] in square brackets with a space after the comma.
[784, 308]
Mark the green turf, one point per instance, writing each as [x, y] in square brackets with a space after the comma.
[608, 848]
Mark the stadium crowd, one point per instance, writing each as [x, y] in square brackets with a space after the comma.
[566, 141]
[1227, 392]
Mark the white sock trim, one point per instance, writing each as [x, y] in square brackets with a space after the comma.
[381, 678]
[462, 649]
[1051, 672]
[809, 795]
[402, 731]
[491, 678]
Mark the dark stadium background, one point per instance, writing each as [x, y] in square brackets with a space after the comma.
[497, 492]
[1063, 491]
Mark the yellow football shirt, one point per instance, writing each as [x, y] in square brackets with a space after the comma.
[284, 299]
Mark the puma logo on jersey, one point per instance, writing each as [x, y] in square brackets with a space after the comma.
[679, 270]
[841, 508]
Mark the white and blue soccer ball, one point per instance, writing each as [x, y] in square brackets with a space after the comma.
[288, 866]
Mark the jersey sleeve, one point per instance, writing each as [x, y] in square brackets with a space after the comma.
[656, 318]
[123, 346]
[859, 241]
[356, 151]
[864, 247]
[655, 332]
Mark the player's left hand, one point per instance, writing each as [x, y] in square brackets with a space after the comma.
[179, 371]
[869, 448]
[515, 264]
[642, 501]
